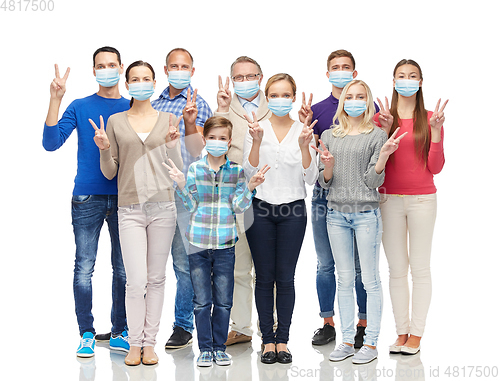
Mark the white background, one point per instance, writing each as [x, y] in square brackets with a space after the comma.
[456, 44]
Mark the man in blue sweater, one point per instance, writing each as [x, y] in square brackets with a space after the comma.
[95, 198]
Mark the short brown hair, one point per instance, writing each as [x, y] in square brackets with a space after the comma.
[280, 77]
[179, 50]
[215, 122]
[340, 53]
[245, 59]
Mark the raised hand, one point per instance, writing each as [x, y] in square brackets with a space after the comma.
[58, 85]
[306, 135]
[100, 138]
[384, 116]
[175, 174]
[305, 112]
[437, 118]
[324, 155]
[223, 96]
[258, 178]
[392, 144]
[256, 131]
[173, 134]
[190, 111]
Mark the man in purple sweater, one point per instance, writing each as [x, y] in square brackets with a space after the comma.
[95, 198]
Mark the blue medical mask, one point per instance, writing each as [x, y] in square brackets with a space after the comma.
[280, 106]
[407, 87]
[246, 89]
[340, 78]
[141, 90]
[354, 108]
[216, 148]
[107, 77]
[179, 79]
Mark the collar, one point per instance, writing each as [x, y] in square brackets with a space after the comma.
[255, 102]
[166, 93]
[226, 165]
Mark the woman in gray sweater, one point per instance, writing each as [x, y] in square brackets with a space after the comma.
[352, 162]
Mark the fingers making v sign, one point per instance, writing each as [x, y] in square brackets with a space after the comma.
[100, 138]
[175, 174]
[258, 178]
[223, 95]
[306, 135]
[325, 155]
[256, 131]
[384, 116]
[392, 144]
[305, 112]
[173, 134]
[58, 85]
[437, 118]
[190, 111]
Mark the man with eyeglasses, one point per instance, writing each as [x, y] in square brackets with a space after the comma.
[246, 76]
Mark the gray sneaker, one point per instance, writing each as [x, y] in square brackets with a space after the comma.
[342, 352]
[365, 355]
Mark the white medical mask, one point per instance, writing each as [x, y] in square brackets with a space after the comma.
[107, 77]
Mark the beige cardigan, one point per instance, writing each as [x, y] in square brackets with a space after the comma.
[141, 175]
[240, 125]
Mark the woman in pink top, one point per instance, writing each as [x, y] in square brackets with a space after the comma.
[408, 201]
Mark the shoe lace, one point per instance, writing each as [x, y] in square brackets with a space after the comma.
[87, 343]
[364, 349]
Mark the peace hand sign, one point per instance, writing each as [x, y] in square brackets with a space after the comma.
[258, 178]
[437, 118]
[190, 111]
[325, 156]
[306, 135]
[385, 117]
[58, 85]
[175, 174]
[100, 138]
[223, 96]
[392, 144]
[173, 134]
[305, 112]
[255, 129]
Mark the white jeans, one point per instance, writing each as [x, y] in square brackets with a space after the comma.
[146, 232]
[407, 239]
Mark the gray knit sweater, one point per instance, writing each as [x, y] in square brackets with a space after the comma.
[353, 187]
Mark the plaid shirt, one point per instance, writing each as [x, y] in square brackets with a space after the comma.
[175, 106]
[214, 198]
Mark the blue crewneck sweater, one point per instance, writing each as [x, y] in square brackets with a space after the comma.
[89, 179]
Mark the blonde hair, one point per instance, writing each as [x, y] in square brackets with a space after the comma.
[280, 77]
[341, 126]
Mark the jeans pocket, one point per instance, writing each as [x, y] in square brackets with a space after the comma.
[81, 199]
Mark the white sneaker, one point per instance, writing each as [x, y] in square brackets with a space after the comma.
[365, 355]
[342, 352]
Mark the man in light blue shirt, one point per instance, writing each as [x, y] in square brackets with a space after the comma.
[174, 99]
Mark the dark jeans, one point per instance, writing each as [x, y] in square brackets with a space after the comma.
[88, 214]
[275, 239]
[212, 275]
[325, 274]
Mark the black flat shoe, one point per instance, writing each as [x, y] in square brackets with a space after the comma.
[284, 357]
[269, 357]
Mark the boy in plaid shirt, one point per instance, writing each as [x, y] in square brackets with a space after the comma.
[214, 192]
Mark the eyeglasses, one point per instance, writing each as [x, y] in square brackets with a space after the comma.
[248, 77]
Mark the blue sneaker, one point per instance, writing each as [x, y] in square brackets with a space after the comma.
[119, 342]
[221, 358]
[204, 359]
[87, 345]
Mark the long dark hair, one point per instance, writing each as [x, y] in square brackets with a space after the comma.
[134, 64]
[421, 133]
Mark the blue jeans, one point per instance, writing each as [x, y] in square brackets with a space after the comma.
[88, 214]
[368, 229]
[325, 273]
[275, 239]
[212, 275]
[184, 289]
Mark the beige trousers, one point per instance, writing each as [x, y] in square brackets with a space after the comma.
[146, 232]
[408, 228]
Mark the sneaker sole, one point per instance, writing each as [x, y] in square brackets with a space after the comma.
[118, 349]
[323, 342]
[363, 362]
[341, 359]
[204, 365]
[178, 346]
[85, 355]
